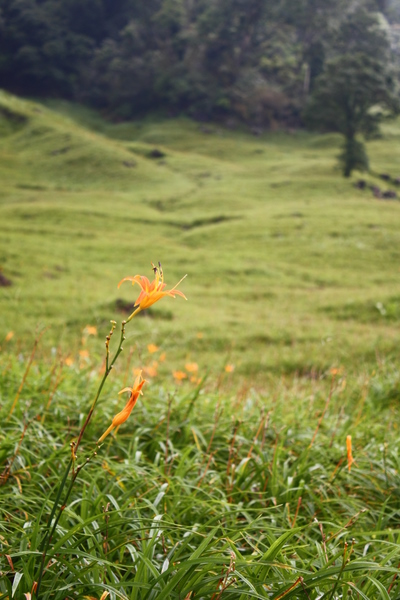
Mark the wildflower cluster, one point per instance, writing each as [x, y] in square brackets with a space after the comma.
[150, 293]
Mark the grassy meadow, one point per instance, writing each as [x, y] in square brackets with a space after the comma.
[235, 476]
[290, 269]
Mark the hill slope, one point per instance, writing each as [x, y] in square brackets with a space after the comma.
[289, 267]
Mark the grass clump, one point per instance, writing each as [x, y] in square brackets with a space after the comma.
[204, 494]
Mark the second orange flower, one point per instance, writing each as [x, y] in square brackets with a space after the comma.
[122, 416]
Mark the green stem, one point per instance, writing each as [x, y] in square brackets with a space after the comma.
[52, 527]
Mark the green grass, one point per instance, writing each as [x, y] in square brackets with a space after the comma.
[227, 484]
[201, 489]
[286, 261]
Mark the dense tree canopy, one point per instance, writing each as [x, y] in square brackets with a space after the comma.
[254, 60]
[358, 83]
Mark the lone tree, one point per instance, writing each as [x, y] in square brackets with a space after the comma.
[355, 89]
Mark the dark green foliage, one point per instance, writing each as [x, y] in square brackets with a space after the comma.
[353, 157]
[392, 10]
[200, 488]
[43, 44]
[254, 60]
[357, 85]
[350, 87]
[314, 22]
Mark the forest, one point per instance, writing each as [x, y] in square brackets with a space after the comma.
[234, 61]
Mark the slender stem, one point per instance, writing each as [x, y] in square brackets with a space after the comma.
[56, 501]
[62, 508]
[106, 374]
[49, 534]
[35, 345]
[52, 526]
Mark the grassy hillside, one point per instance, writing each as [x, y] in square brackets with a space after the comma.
[290, 268]
[252, 483]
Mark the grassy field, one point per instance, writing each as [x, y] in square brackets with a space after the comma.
[262, 460]
[203, 494]
[290, 269]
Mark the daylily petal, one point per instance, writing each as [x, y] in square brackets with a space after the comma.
[122, 416]
[146, 285]
[141, 297]
[174, 292]
[135, 279]
[127, 389]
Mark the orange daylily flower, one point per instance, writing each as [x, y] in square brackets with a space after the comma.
[179, 375]
[152, 348]
[350, 458]
[192, 367]
[336, 370]
[229, 368]
[151, 370]
[9, 336]
[151, 291]
[90, 330]
[122, 416]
